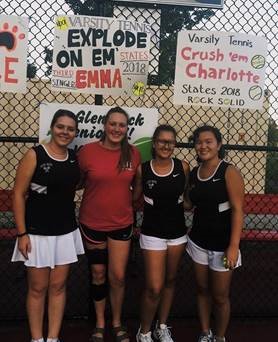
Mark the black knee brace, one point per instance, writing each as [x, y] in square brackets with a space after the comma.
[97, 256]
[99, 292]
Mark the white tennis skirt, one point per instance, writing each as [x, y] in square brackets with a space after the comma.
[49, 251]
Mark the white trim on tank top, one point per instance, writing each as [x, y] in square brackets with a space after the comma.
[50, 156]
[167, 174]
[206, 179]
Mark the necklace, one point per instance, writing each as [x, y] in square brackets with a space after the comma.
[162, 169]
[60, 154]
[209, 171]
[110, 147]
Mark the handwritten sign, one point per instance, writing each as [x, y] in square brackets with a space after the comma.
[13, 53]
[100, 55]
[222, 69]
[142, 123]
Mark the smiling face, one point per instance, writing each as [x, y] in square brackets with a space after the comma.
[164, 144]
[115, 129]
[63, 131]
[207, 146]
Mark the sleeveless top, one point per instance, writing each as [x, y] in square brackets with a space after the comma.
[163, 202]
[212, 214]
[50, 207]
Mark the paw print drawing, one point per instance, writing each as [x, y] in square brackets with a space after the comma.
[9, 37]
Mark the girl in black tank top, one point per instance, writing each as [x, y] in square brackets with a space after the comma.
[48, 239]
[163, 182]
[211, 227]
[216, 191]
[163, 201]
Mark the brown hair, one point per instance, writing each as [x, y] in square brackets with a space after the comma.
[63, 112]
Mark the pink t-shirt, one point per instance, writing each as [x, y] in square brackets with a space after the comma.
[107, 200]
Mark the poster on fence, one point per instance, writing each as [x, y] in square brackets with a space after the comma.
[13, 53]
[142, 123]
[100, 55]
[222, 69]
[153, 17]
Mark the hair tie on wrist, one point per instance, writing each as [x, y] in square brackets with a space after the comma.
[22, 234]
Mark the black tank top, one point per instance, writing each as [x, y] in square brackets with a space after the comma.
[212, 214]
[163, 202]
[50, 208]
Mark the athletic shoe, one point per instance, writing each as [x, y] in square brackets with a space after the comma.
[206, 337]
[162, 333]
[219, 339]
[144, 337]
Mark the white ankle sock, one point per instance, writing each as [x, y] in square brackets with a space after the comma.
[162, 326]
[52, 339]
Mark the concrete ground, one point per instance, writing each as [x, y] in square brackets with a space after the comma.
[183, 330]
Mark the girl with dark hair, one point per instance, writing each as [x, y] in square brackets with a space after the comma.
[106, 216]
[48, 239]
[216, 190]
[63, 112]
[163, 181]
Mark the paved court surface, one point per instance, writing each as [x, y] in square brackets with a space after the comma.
[185, 330]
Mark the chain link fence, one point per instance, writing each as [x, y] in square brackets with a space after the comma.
[250, 138]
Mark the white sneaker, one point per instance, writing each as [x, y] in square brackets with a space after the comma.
[206, 337]
[144, 337]
[162, 333]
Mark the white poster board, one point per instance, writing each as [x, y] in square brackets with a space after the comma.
[13, 53]
[100, 55]
[142, 123]
[223, 69]
[153, 17]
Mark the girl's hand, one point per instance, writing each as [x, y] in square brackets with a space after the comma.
[24, 245]
[231, 256]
